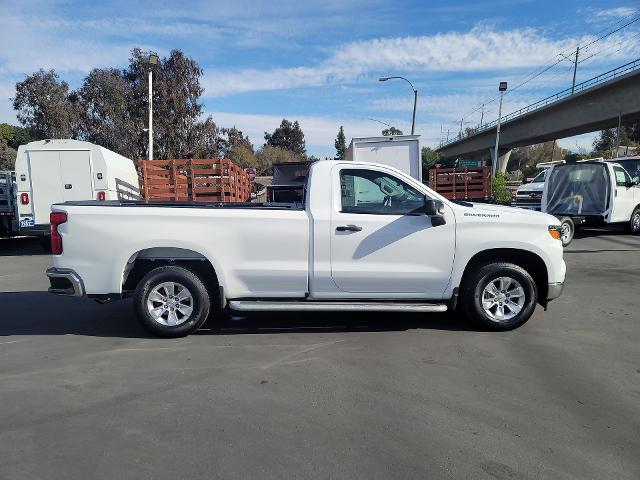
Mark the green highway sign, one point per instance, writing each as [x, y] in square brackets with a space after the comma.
[469, 163]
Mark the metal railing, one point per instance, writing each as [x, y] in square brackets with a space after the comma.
[580, 87]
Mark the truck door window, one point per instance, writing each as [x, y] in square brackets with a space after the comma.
[372, 192]
[622, 178]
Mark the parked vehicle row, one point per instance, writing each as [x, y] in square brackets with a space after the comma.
[367, 237]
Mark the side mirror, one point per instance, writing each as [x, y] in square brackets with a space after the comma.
[435, 210]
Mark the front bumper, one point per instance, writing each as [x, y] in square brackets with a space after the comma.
[65, 281]
[554, 290]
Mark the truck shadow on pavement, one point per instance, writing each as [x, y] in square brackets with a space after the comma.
[40, 313]
[21, 246]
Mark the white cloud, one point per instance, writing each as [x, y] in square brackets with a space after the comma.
[617, 12]
[482, 49]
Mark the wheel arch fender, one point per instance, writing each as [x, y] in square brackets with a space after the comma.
[167, 253]
[529, 260]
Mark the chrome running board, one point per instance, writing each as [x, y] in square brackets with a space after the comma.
[308, 306]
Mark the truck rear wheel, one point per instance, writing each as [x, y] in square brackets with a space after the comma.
[499, 296]
[171, 301]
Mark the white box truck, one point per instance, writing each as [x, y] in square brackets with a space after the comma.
[398, 151]
[56, 171]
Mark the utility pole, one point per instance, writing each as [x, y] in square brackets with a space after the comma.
[461, 127]
[481, 115]
[618, 134]
[502, 87]
[575, 70]
[448, 134]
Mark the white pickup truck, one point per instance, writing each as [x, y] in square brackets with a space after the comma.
[367, 238]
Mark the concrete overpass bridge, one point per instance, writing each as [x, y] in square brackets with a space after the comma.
[595, 104]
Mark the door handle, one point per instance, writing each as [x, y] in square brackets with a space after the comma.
[68, 186]
[348, 228]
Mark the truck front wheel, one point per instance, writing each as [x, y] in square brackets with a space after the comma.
[171, 301]
[499, 296]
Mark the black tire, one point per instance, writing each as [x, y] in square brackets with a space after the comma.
[567, 223]
[199, 302]
[633, 225]
[473, 289]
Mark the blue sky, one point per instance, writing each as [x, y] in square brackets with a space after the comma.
[318, 61]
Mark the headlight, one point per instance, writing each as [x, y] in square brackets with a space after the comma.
[555, 231]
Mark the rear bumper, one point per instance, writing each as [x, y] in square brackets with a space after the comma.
[38, 230]
[65, 281]
[554, 290]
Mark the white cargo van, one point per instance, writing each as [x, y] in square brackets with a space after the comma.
[398, 151]
[55, 171]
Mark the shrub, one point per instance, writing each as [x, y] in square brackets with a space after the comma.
[501, 194]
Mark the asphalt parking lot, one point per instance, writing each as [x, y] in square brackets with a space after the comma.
[86, 393]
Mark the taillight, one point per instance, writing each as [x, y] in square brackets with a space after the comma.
[101, 196]
[24, 198]
[56, 218]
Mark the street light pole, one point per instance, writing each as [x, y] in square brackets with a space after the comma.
[415, 99]
[150, 114]
[415, 104]
[153, 60]
[502, 87]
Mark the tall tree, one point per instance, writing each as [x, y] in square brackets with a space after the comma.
[111, 108]
[605, 142]
[429, 158]
[268, 155]
[237, 147]
[288, 136]
[45, 105]
[391, 131]
[11, 137]
[7, 156]
[106, 116]
[176, 106]
[340, 144]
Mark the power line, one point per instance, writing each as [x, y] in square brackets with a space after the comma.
[537, 73]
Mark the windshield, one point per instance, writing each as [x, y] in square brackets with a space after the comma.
[578, 189]
[540, 177]
[632, 166]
